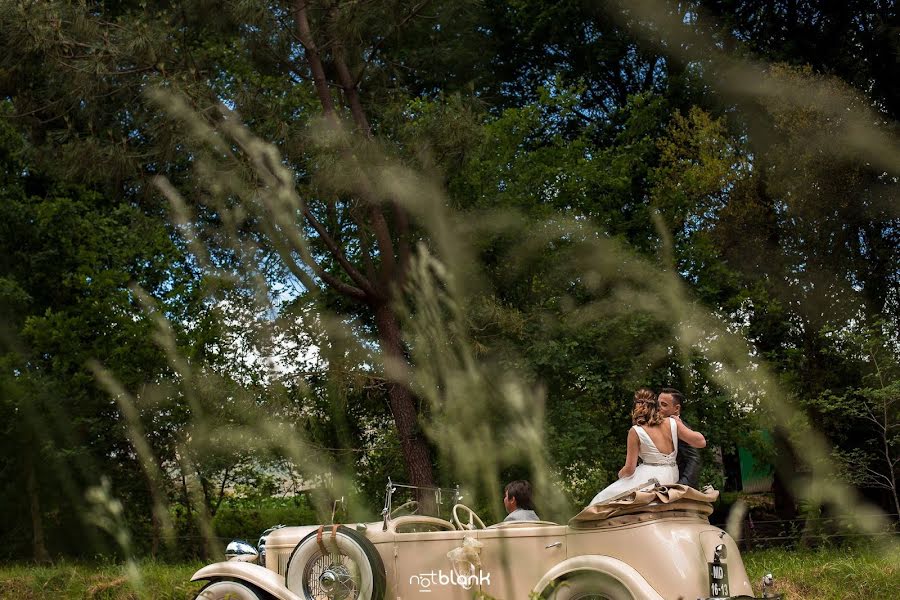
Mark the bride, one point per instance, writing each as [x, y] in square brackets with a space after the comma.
[654, 439]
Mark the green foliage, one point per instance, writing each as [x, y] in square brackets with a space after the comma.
[851, 40]
[70, 255]
[864, 421]
[247, 519]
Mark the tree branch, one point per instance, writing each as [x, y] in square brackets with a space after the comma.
[350, 90]
[403, 243]
[301, 19]
[877, 475]
[379, 223]
[221, 495]
[335, 250]
[380, 43]
[366, 249]
[385, 245]
[285, 254]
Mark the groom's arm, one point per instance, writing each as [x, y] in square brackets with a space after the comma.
[689, 465]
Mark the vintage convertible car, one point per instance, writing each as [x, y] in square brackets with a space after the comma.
[651, 543]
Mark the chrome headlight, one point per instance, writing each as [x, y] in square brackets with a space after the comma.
[241, 551]
[261, 544]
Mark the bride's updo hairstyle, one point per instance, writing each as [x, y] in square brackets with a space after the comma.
[646, 408]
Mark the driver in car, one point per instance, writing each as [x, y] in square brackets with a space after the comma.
[517, 500]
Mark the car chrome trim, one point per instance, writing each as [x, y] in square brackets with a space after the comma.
[720, 553]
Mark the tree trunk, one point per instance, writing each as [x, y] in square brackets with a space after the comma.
[416, 453]
[155, 521]
[896, 501]
[37, 521]
[187, 498]
[892, 480]
[786, 465]
[155, 532]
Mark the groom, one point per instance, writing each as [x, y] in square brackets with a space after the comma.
[670, 401]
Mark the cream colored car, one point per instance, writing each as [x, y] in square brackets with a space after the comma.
[651, 544]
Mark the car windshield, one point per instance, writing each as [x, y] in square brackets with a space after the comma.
[403, 499]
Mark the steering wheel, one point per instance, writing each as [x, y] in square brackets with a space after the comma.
[473, 519]
[411, 507]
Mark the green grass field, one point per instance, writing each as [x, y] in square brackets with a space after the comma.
[65, 581]
[836, 574]
[829, 574]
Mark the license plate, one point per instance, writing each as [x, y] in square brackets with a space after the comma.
[718, 580]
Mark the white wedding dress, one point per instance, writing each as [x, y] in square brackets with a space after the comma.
[656, 465]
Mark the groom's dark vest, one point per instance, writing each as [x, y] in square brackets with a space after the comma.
[688, 465]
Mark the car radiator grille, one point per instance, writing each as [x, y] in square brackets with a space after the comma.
[279, 560]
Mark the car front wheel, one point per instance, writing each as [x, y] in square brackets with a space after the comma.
[342, 565]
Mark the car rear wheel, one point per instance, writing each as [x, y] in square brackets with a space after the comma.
[229, 590]
[589, 586]
[343, 566]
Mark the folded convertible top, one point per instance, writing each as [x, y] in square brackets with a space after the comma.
[646, 504]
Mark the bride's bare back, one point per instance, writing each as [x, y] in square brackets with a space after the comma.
[661, 435]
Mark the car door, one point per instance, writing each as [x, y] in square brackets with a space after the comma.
[516, 556]
[423, 570]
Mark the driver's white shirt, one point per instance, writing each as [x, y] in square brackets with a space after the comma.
[521, 514]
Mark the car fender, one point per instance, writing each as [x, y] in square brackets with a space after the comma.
[261, 577]
[623, 572]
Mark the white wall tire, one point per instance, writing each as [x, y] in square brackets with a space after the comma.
[350, 569]
[591, 585]
[229, 590]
